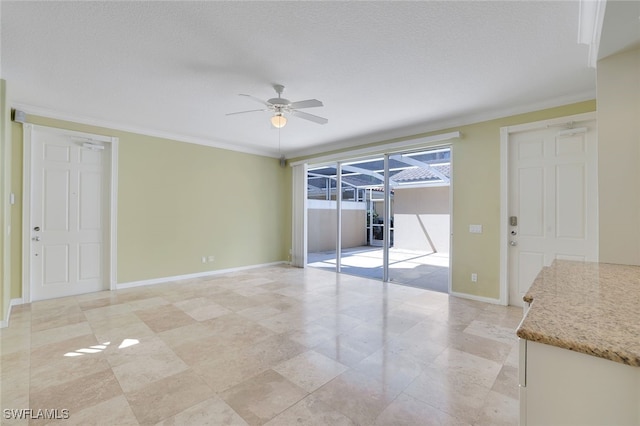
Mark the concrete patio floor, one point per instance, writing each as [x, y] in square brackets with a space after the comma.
[419, 269]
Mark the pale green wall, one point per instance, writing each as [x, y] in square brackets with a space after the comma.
[178, 202]
[5, 208]
[16, 210]
[476, 197]
[619, 157]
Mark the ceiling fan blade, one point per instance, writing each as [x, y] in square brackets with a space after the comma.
[310, 117]
[309, 103]
[256, 99]
[244, 112]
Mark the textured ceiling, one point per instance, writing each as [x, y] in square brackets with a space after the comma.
[382, 69]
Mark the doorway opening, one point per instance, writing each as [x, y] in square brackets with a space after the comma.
[350, 203]
[69, 213]
[549, 199]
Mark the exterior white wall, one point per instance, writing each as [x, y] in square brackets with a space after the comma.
[321, 220]
[422, 219]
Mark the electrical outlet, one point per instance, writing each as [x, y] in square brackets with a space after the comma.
[211, 258]
[474, 277]
[475, 229]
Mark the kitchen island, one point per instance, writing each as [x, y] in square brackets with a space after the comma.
[580, 346]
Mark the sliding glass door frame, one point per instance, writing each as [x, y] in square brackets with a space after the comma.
[339, 217]
[386, 220]
[387, 154]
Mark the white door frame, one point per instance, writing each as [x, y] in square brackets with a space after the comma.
[504, 186]
[111, 169]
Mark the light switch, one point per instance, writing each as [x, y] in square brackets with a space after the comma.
[475, 229]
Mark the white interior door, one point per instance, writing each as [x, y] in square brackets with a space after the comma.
[553, 198]
[69, 215]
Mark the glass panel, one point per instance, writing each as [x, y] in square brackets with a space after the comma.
[321, 217]
[362, 179]
[354, 257]
[419, 256]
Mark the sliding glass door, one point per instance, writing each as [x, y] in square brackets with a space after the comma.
[421, 220]
[385, 217]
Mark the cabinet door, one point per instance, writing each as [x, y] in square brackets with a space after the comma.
[571, 388]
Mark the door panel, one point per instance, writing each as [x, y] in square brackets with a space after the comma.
[89, 261]
[57, 153]
[56, 200]
[89, 201]
[570, 201]
[553, 193]
[68, 202]
[531, 206]
[55, 266]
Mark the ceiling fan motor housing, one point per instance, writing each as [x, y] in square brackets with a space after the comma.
[281, 102]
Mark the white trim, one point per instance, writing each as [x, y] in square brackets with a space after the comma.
[338, 212]
[7, 198]
[47, 113]
[318, 149]
[26, 200]
[474, 297]
[553, 122]
[299, 206]
[590, 21]
[13, 302]
[154, 281]
[113, 216]
[386, 219]
[450, 184]
[504, 187]
[408, 144]
[504, 213]
[26, 210]
[445, 124]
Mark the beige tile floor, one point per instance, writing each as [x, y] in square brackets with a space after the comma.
[275, 346]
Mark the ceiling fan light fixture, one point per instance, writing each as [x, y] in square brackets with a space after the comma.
[278, 121]
[279, 106]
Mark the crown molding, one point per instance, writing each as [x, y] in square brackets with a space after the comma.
[463, 120]
[90, 121]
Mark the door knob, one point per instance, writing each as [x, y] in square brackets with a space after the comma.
[36, 238]
[513, 243]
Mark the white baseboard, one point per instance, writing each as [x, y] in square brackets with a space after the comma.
[13, 302]
[153, 281]
[478, 298]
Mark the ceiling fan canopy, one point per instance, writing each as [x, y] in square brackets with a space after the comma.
[280, 106]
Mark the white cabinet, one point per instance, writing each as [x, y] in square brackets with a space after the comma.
[562, 387]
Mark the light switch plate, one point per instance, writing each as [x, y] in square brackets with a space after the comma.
[475, 229]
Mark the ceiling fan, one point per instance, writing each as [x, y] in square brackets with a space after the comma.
[281, 106]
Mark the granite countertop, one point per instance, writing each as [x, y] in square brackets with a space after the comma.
[587, 307]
